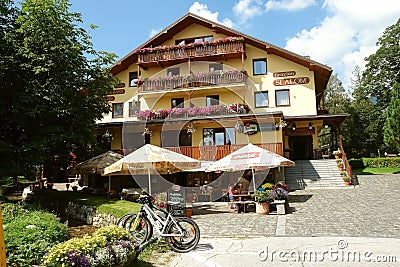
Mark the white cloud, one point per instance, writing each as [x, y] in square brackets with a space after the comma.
[203, 11]
[153, 32]
[347, 35]
[288, 5]
[245, 9]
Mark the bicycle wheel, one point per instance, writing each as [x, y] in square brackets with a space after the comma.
[190, 238]
[143, 230]
[122, 221]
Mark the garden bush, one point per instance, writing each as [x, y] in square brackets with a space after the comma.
[108, 246]
[29, 234]
[356, 163]
[381, 162]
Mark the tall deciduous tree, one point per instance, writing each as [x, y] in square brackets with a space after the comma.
[392, 123]
[366, 131]
[58, 92]
[336, 101]
[383, 68]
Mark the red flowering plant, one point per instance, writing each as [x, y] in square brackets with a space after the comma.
[146, 50]
[239, 108]
[178, 112]
[145, 115]
[160, 200]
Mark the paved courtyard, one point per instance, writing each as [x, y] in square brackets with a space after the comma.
[371, 209]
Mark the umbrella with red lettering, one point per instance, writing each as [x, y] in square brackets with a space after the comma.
[250, 157]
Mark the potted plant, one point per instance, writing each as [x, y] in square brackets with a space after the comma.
[346, 179]
[337, 153]
[263, 199]
[340, 165]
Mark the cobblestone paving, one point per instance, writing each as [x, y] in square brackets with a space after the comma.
[369, 210]
[218, 220]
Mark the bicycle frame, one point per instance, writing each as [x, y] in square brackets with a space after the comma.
[153, 217]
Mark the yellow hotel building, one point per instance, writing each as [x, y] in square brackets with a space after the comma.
[205, 90]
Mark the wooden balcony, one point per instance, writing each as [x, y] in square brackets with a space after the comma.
[183, 82]
[231, 47]
[193, 112]
[218, 152]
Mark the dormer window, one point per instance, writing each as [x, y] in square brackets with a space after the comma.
[194, 40]
[173, 71]
[215, 67]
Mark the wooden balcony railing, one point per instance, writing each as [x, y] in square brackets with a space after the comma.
[216, 110]
[193, 80]
[218, 152]
[194, 50]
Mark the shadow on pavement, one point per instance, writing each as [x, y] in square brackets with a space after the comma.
[298, 198]
[211, 208]
[204, 247]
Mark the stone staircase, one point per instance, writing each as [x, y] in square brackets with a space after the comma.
[313, 174]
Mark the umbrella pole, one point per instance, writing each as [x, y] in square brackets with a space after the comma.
[148, 171]
[254, 180]
[109, 183]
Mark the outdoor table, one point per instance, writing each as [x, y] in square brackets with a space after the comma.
[242, 200]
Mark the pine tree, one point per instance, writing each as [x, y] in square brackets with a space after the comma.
[392, 123]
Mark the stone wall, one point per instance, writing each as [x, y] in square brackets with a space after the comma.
[88, 215]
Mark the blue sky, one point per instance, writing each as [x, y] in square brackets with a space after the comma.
[338, 33]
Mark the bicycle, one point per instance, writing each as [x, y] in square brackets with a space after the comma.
[181, 234]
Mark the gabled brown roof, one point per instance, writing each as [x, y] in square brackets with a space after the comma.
[322, 72]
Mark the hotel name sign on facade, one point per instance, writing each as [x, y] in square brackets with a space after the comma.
[289, 81]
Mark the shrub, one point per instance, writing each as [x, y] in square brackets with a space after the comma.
[382, 162]
[356, 163]
[108, 246]
[29, 234]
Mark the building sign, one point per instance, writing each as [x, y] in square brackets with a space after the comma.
[120, 85]
[110, 98]
[291, 81]
[250, 128]
[118, 92]
[300, 131]
[284, 74]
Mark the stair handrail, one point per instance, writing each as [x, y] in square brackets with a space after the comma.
[347, 166]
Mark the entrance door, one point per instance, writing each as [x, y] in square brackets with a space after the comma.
[301, 147]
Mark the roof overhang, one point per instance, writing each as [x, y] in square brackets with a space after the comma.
[331, 120]
[322, 72]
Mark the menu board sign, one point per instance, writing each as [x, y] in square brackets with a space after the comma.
[176, 202]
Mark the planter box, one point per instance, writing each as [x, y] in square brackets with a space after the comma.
[280, 207]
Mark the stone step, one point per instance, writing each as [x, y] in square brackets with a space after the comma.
[313, 174]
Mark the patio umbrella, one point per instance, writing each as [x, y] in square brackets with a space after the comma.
[96, 164]
[150, 159]
[250, 157]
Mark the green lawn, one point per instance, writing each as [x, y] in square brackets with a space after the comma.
[376, 171]
[104, 204]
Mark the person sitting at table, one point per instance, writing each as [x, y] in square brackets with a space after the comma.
[238, 188]
[245, 185]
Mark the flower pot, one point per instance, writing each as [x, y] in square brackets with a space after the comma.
[347, 182]
[338, 156]
[189, 212]
[262, 208]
